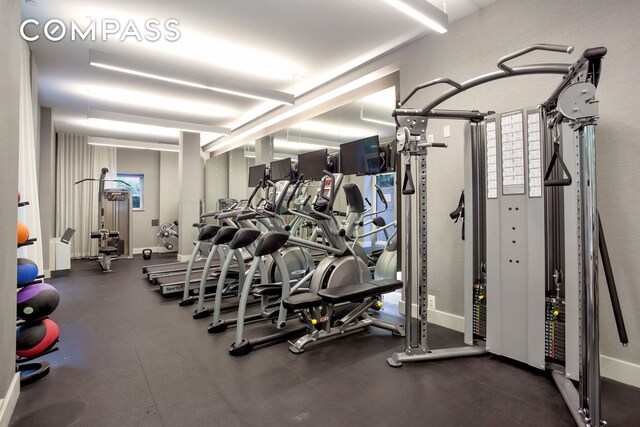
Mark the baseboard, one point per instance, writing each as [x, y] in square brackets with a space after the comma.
[620, 370]
[8, 403]
[615, 369]
[154, 249]
[183, 258]
[437, 317]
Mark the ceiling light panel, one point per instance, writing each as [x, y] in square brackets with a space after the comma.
[151, 101]
[134, 128]
[184, 77]
[423, 12]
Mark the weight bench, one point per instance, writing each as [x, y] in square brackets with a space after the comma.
[324, 327]
[105, 253]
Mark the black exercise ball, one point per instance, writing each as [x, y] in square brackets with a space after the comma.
[37, 301]
[27, 271]
[33, 339]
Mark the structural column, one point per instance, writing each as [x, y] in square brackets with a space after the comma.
[47, 184]
[264, 150]
[191, 172]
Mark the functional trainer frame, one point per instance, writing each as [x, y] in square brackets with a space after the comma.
[568, 116]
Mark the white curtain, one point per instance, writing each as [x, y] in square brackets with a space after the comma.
[77, 205]
[27, 170]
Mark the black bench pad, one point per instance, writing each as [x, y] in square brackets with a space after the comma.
[300, 301]
[358, 291]
[108, 250]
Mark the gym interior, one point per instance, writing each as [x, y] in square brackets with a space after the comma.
[274, 213]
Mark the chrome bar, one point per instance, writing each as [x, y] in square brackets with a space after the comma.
[590, 334]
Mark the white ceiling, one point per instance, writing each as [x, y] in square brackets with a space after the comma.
[288, 46]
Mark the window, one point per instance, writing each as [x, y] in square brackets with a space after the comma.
[136, 182]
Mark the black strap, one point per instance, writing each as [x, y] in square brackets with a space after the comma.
[458, 213]
[562, 182]
[407, 184]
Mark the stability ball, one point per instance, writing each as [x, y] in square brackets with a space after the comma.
[27, 271]
[23, 233]
[34, 339]
[37, 301]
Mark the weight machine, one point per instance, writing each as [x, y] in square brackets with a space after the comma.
[112, 223]
[529, 295]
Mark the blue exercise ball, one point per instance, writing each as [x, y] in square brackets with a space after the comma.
[27, 271]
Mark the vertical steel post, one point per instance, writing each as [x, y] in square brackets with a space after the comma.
[407, 273]
[590, 334]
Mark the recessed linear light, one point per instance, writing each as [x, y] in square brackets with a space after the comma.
[140, 129]
[135, 145]
[423, 12]
[154, 121]
[99, 95]
[185, 82]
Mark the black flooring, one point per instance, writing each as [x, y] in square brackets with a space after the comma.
[129, 357]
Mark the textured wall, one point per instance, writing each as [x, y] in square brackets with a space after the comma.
[10, 89]
[472, 47]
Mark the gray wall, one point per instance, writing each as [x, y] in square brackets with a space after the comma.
[10, 90]
[216, 182]
[239, 174]
[146, 162]
[472, 47]
[169, 187]
[47, 182]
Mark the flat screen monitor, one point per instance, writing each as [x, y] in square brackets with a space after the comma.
[361, 157]
[256, 173]
[281, 170]
[371, 148]
[312, 164]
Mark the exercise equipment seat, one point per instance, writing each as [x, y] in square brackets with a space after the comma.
[354, 198]
[225, 235]
[243, 238]
[347, 293]
[300, 301]
[208, 232]
[270, 242]
[108, 250]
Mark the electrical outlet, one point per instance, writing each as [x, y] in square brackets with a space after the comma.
[431, 302]
[447, 131]
[430, 138]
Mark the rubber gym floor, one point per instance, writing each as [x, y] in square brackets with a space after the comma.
[129, 357]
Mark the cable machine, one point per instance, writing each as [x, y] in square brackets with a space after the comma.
[532, 232]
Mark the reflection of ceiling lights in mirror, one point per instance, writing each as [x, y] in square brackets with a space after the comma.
[157, 102]
[384, 99]
[294, 145]
[376, 121]
[423, 12]
[331, 129]
[184, 82]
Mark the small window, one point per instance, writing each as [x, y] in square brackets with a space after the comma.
[136, 182]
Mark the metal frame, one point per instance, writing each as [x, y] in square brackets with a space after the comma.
[568, 103]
